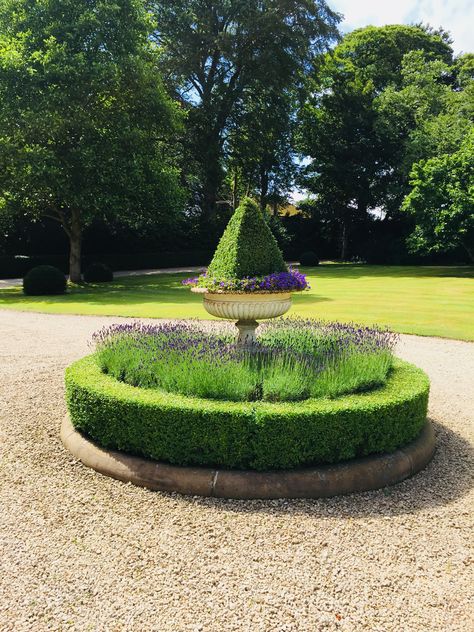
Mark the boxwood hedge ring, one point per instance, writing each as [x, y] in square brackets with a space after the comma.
[258, 436]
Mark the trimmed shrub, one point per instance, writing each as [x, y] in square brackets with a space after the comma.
[309, 258]
[247, 248]
[257, 435]
[43, 281]
[98, 273]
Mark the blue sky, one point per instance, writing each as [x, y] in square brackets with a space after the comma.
[456, 16]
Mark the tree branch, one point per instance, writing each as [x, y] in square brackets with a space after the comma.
[61, 218]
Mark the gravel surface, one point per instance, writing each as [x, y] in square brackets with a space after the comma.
[79, 551]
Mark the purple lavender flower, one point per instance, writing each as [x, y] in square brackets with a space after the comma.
[189, 357]
[290, 281]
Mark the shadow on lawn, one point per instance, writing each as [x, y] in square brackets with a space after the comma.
[448, 477]
[356, 271]
[148, 290]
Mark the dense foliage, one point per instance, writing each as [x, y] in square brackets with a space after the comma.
[309, 258]
[247, 248]
[259, 435]
[132, 127]
[291, 360]
[357, 161]
[86, 126]
[442, 200]
[432, 116]
[43, 281]
[238, 63]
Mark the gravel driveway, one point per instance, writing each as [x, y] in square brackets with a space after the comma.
[79, 551]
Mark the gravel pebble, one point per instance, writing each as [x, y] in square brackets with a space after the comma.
[80, 551]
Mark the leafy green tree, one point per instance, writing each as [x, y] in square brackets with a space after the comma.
[430, 111]
[85, 123]
[430, 116]
[262, 146]
[216, 54]
[442, 201]
[354, 155]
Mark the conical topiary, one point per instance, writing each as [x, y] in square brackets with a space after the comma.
[247, 248]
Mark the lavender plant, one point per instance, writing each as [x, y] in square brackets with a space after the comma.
[292, 360]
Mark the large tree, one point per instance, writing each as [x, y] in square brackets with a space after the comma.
[216, 54]
[431, 117]
[354, 156]
[86, 126]
[430, 111]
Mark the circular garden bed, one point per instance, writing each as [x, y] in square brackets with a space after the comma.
[258, 436]
[171, 404]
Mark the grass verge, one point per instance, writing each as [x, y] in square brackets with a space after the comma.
[427, 301]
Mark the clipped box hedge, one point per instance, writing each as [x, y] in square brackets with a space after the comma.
[246, 435]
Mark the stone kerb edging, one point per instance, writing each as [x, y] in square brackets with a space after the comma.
[357, 475]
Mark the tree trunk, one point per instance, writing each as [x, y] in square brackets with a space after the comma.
[344, 240]
[235, 200]
[210, 158]
[468, 246]
[75, 240]
[263, 187]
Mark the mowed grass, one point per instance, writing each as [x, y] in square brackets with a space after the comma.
[425, 300]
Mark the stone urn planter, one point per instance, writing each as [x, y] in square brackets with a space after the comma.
[245, 309]
[247, 279]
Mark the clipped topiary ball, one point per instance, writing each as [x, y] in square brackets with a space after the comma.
[309, 258]
[98, 273]
[43, 281]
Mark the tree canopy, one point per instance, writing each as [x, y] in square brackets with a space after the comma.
[221, 57]
[153, 118]
[442, 200]
[355, 157]
[86, 125]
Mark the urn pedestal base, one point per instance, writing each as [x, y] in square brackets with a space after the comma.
[247, 310]
[246, 332]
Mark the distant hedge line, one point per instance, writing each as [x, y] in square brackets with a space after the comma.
[258, 435]
[17, 266]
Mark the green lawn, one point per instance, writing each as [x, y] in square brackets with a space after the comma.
[429, 301]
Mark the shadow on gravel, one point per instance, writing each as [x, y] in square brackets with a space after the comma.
[448, 477]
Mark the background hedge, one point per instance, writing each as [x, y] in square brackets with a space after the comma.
[98, 272]
[13, 266]
[189, 431]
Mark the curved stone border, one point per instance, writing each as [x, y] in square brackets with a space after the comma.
[357, 475]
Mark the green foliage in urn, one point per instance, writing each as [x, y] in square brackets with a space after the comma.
[247, 248]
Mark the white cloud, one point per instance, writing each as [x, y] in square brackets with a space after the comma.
[455, 16]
